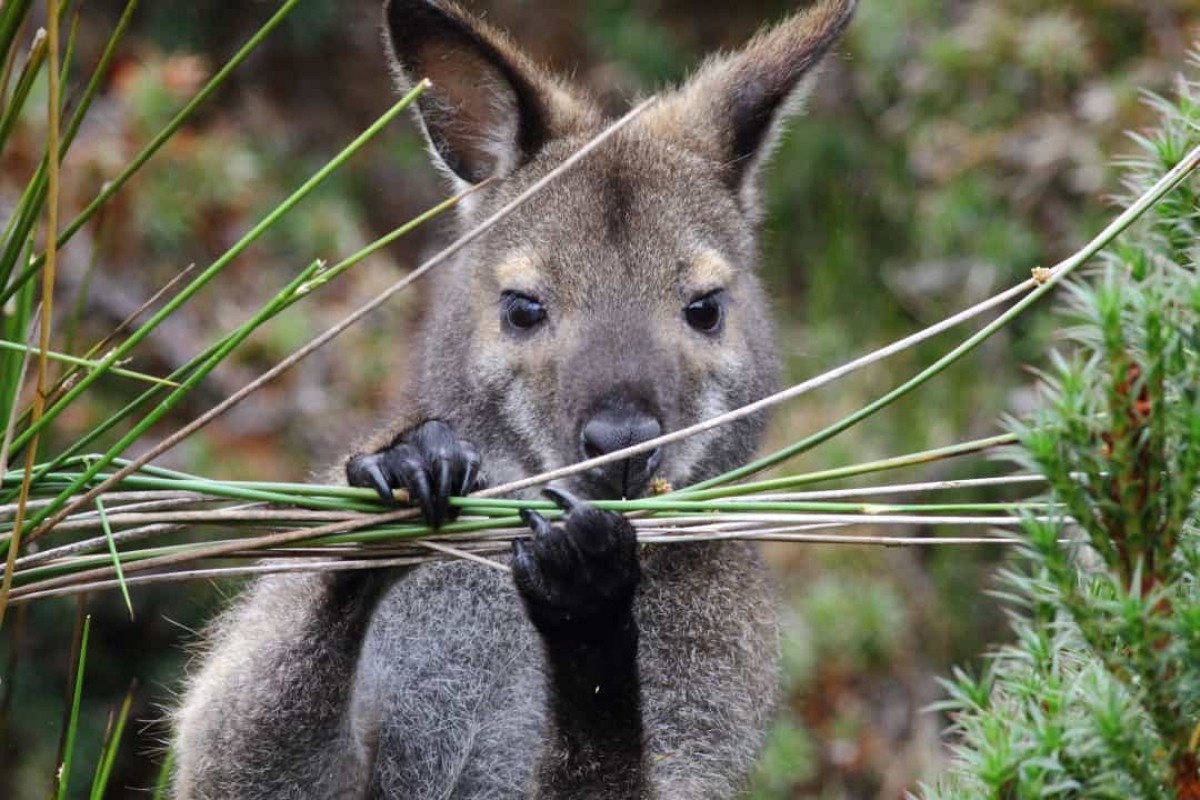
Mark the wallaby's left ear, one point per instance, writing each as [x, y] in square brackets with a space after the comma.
[732, 109]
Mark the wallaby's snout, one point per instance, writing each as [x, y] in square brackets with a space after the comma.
[614, 428]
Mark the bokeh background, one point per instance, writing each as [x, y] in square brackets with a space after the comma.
[950, 146]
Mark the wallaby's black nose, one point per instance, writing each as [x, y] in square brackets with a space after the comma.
[609, 431]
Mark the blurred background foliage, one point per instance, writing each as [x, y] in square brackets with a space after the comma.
[949, 147]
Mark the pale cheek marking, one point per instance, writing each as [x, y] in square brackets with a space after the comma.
[691, 451]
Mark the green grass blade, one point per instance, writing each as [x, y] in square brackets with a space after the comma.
[290, 295]
[97, 77]
[215, 357]
[5, 344]
[14, 325]
[216, 267]
[112, 743]
[852, 471]
[25, 80]
[18, 231]
[163, 785]
[115, 185]
[12, 14]
[116, 558]
[29, 207]
[67, 757]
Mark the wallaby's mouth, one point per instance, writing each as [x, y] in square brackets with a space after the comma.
[628, 479]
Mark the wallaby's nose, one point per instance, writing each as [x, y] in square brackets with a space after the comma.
[612, 430]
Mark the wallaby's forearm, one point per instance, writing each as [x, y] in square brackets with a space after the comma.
[267, 716]
[596, 745]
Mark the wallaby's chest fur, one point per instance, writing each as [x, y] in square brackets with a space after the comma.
[449, 645]
[619, 304]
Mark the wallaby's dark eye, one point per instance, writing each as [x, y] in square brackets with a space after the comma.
[521, 312]
[706, 313]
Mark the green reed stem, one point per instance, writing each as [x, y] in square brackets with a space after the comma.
[217, 266]
[1165, 185]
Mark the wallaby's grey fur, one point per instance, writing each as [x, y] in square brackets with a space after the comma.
[621, 301]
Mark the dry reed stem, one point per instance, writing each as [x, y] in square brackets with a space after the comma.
[336, 330]
[1041, 282]
[307, 562]
[11, 425]
[49, 271]
[750, 409]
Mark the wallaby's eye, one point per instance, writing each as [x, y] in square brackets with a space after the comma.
[706, 313]
[521, 312]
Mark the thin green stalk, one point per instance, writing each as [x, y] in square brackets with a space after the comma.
[115, 185]
[305, 490]
[70, 326]
[1050, 279]
[83, 362]
[112, 743]
[68, 755]
[9, 57]
[727, 505]
[62, 481]
[17, 231]
[47, 304]
[34, 195]
[96, 79]
[12, 14]
[378, 300]
[25, 80]
[220, 264]
[163, 784]
[68, 53]
[854, 470]
[116, 558]
[380, 243]
[15, 325]
[283, 300]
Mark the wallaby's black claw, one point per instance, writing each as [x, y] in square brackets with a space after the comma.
[562, 498]
[526, 573]
[471, 479]
[443, 488]
[536, 522]
[420, 492]
[367, 472]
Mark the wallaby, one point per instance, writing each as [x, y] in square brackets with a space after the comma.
[619, 303]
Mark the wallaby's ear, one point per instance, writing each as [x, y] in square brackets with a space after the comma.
[732, 109]
[489, 109]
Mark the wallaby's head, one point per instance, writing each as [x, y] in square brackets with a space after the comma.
[622, 301]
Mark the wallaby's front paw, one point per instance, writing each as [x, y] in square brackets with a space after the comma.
[578, 578]
[429, 462]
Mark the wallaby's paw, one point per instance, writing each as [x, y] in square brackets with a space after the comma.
[429, 462]
[577, 578]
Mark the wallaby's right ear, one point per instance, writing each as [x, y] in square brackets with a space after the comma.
[731, 111]
[489, 109]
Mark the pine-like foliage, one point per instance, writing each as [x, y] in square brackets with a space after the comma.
[1099, 694]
